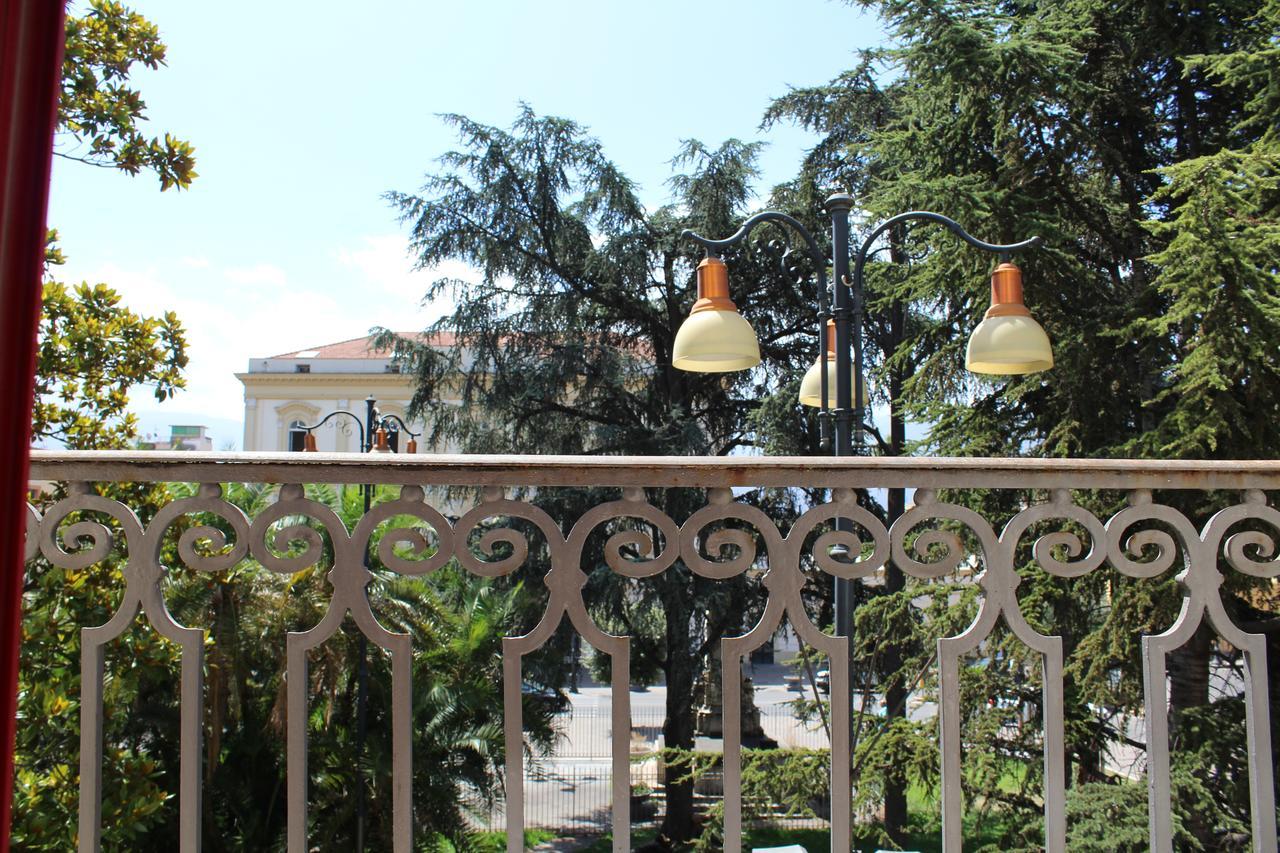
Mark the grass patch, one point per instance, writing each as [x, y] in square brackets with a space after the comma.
[604, 844]
[924, 834]
[492, 842]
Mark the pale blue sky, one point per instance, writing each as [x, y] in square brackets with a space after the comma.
[303, 114]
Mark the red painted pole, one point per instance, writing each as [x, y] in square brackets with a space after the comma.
[31, 37]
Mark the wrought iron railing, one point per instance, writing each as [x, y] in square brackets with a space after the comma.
[932, 539]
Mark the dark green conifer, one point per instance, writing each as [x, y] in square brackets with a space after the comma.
[1139, 140]
[564, 346]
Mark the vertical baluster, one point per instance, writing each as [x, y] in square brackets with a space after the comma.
[1155, 703]
[620, 666]
[94, 639]
[1156, 648]
[296, 740]
[191, 740]
[513, 732]
[92, 666]
[949, 729]
[1055, 768]
[402, 743]
[1254, 648]
[731, 708]
[841, 694]
[1262, 796]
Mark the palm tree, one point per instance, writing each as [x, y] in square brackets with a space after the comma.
[455, 622]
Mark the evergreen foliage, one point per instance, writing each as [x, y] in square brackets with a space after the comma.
[1140, 141]
[564, 346]
[566, 340]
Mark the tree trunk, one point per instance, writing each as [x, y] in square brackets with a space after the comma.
[1189, 674]
[677, 732]
[895, 789]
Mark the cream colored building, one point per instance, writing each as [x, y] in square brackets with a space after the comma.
[284, 392]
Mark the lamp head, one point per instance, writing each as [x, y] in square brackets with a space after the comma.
[811, 384]
[309, 443]
[1008, 341]
[715, 338]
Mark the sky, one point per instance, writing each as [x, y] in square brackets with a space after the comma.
[303, 114]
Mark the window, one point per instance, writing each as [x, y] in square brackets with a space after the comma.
[291, 415]
[297, 436]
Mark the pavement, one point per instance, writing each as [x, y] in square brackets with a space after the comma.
[570, 790]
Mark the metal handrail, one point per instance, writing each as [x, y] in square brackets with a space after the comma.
[692, 471]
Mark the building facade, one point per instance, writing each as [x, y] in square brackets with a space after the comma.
[181, 437]
[284, 392]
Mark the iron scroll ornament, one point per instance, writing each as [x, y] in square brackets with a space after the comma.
[1142, 541]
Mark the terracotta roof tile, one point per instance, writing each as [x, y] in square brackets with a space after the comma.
[362, 347]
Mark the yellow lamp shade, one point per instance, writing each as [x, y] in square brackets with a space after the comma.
[1008, 341]
[715, 342]
[811, 386]
[1008, 345]
[715, 338]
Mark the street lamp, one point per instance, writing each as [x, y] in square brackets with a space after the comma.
[716, 338]
[379, 433]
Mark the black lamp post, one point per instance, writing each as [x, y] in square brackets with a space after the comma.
[716, 338]
[379, 433]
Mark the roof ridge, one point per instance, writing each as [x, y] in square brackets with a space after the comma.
[369, 337]
[320, 346]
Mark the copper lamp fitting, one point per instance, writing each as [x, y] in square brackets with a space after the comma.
[831, 340]
[309, 443]
[713, 287]
[381, 445]
[1006, 292]
[411, 446]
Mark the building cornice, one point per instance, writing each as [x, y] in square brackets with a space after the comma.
[363, 379]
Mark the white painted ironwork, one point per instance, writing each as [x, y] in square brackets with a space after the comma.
[928, 541]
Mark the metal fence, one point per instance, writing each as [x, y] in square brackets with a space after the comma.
[1141, 541]
[588, 732]
[575, 798]
[569, 790]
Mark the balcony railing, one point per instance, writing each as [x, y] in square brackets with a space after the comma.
[723, 539]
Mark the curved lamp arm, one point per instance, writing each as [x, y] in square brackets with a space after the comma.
[332, 415]
[819, 261]
[714, 247]
[1003, 249]
[860, 260]
[401, 425]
